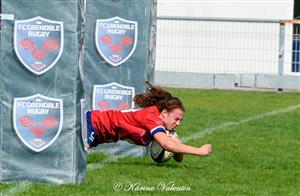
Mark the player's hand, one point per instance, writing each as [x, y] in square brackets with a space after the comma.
[178, 157]
[205, 150]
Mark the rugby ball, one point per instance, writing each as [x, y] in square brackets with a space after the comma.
[158, 154]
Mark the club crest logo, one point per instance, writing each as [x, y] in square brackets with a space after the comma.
[38, 43]
[116, 39]
[112, 96]
[37, 120]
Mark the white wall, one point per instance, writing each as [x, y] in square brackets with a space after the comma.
[262, 9]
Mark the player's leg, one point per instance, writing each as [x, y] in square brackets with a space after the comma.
[92, 140]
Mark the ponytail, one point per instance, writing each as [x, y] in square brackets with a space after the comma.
[158, 97]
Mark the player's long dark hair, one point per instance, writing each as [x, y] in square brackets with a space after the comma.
[158, 97]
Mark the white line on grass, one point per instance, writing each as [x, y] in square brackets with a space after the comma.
[110, 159]
[204, 132]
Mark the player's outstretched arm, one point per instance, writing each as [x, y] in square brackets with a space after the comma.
[177, 147]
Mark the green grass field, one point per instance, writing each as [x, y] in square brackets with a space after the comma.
[256, 151]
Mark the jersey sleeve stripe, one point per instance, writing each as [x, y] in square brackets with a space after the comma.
[157, 129]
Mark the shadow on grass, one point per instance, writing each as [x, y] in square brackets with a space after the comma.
[171, 165]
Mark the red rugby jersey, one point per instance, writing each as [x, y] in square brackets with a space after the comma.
[137, 127]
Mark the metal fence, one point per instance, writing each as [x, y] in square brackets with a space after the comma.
[228, 46]
[296, 48]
